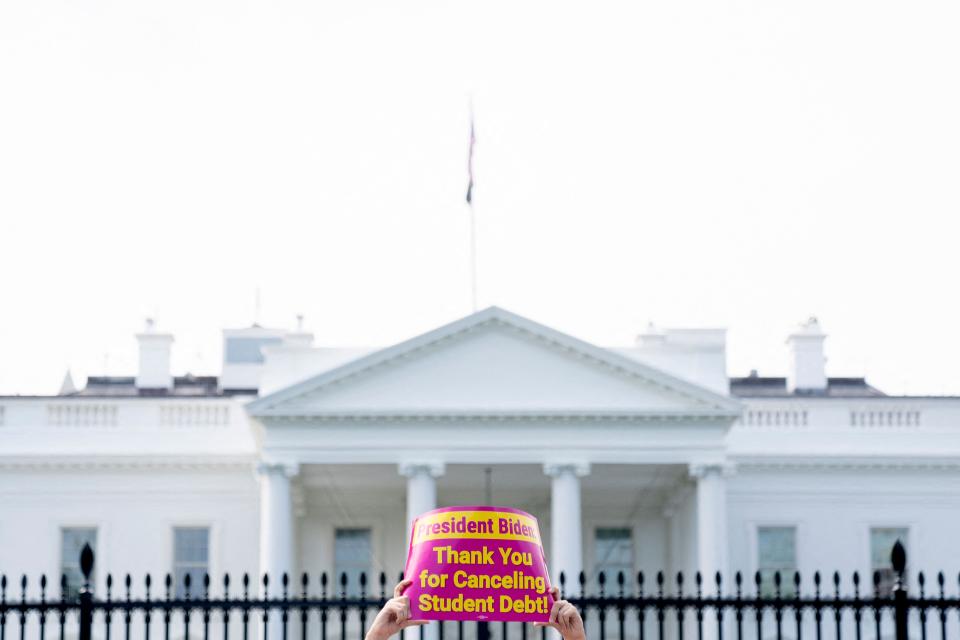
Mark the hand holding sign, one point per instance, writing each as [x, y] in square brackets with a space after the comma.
[565, 618]
[394, 616]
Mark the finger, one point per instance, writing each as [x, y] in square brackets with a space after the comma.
[401, 586]
[557, 605]
[569, 616]
[555, 592]
[544, 624]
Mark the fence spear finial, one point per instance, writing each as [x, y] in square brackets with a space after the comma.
[898, 557]
[86, 564]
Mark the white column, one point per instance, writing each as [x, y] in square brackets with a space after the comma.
[711, 520]
[421, 497]
[566, 535]
[276, 523]
[421, 488]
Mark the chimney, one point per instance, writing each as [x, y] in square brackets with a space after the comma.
[299, 338]
[807, 371]
[153, 371]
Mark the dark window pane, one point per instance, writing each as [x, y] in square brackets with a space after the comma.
[191, 556]
[776, 552]
[191, 545]
[882, 540]
[72, 541]
[613, 553]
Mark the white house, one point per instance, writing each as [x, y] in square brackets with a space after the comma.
[300, 458]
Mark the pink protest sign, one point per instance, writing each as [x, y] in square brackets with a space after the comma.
[477, 563]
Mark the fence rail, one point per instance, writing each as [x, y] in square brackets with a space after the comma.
[621, 609]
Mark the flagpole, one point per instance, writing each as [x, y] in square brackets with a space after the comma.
[473, 258]
[473, 216]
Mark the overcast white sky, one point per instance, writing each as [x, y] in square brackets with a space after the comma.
[736, 163]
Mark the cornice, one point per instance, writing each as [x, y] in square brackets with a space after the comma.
[844, 401]
[132, 463]
[718, 417]
[931, 463]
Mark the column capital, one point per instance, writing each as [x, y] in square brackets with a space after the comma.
[433, 468]
[554, 469]
[287, 469]
[700, 470]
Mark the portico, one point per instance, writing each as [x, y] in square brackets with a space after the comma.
[644, 501]
[589, 441]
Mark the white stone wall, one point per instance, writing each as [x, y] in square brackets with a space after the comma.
[134, 511]
[833, 510]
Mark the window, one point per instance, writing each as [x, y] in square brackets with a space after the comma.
[72, 541]
[247, 350]
[191, 557]
[882, 540]
[612, 553]
[352, 553]
[777, 551]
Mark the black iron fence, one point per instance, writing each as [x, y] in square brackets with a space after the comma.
[625, 608]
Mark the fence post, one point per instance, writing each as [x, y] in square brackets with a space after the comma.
[898, 558]
[86, 593]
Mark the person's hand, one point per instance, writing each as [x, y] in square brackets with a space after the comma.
[394, 616]
[565, 618]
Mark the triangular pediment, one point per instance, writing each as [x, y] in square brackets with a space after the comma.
[493, 362]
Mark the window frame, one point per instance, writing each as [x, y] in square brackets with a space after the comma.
[910, 528]
[213, 548]
[98, 539]
[610, 583]
[196, 590]
[353, 587]
[786, 577]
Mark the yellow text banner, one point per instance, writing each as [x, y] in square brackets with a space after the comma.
[491, 525]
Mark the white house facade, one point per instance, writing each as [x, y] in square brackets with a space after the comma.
[300, 458]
